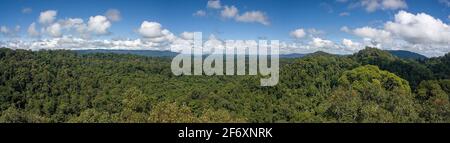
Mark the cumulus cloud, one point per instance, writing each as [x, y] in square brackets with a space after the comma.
[315, 32]
[8, 32]
[321, 43]
[302, 33]
[187, 35]
[150, 29]
[254, 16]
[420, 33]
[213, 44]
[75, 26]
[352, 46]
[229, 12]
[32, 30]
[99, 25]
[377, 35]
[74, 43]
[113, 15]
[199, 13]
[373, 5]
[298, 33]
[95, 26]
[232, 12]
[154, 32]
[214, 4]
[54, 30]
[393, 4]
[419, 28]
[72, 23]
[47, 17]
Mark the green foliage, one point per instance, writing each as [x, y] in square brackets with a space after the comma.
[411, 70]
[367, 77]
[171, 113]
[440, 66]
[434, 96]
[368, 94]
[63, 86]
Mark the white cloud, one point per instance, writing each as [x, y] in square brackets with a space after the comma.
[72, 22]
[187, 35]
[321, 43]
[315, 32]
[96, 26]
[99, 25]
[373, 5]
[419, 33]
[47, 17]
[113, 15]
[393, 4]
[75, 26]
[302, 33]
[54, 30]
[298, 33]
[214, 4]
[374, 34]
[254, 16]
[232, 12]
[229, 12]
[32, 30]
[352, 46]
[8, 32]
[27, 10]
[199, 13]
[73, 43]
[154, 32]
[419, 28]
[213, 44]
[150, 29]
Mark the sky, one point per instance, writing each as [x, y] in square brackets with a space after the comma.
[302, 26]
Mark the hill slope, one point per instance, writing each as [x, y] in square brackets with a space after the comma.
[407, 54]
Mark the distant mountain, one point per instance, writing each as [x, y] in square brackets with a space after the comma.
[290, 56]
[155, 53]
[406, 54]
[147, 53]
[320, 53]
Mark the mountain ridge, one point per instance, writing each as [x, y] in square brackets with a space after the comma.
[403, 54]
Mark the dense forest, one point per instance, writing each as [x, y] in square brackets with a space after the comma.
[369, 86]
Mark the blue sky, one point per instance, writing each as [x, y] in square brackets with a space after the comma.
[322, 22]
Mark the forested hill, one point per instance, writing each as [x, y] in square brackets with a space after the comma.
[153, 53]
[369, 86]
[147, 53]
[407, 54]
